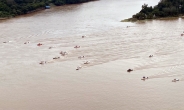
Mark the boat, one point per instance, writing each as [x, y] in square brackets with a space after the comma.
[129, 70]
[175, 80]
[47, 7]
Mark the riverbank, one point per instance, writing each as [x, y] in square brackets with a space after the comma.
[161, 18]
[164, 9]
[5, 18]
[12, 9]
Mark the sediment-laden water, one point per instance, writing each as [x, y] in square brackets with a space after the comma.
[109, 45]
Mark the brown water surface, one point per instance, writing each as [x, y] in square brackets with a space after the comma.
[111, 48]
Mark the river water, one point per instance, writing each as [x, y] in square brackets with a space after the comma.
[111, 48]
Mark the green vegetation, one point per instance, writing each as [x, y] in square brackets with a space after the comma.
[10, 8]
[165, 8]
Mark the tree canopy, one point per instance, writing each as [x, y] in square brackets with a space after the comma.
[165, 8]
[17, 7]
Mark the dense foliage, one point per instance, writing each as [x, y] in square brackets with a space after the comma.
[10, 8]
[165, 8]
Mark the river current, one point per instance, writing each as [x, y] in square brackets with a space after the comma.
[109, 45]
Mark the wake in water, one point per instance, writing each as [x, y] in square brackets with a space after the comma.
[130, 43]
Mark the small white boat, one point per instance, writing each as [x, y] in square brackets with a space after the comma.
[56, 58]
[77, 46]
[7, 41]
[144, 78]
[26, 42]
[63, 53]
[175, 80]
[87, 62]
[78, 68]
[47, 7]
[81, 57]
[50, 47]
[43, 62]
[151, 56]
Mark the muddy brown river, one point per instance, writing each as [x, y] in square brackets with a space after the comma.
[109, 46]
